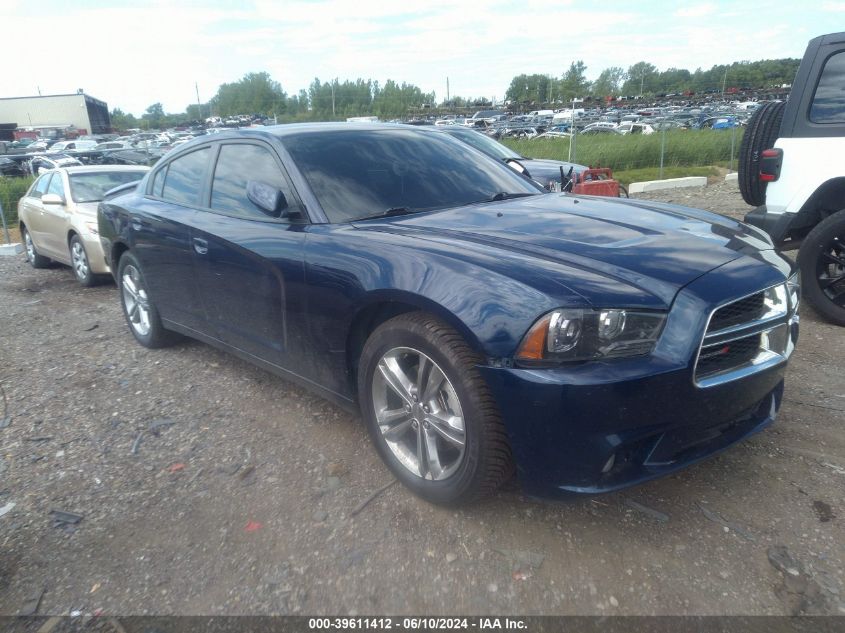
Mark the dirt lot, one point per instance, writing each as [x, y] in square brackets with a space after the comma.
[237, 497]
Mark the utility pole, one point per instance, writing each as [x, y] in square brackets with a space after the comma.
[642, 81]
[447, 90]
[333, 82]
[724, 81]
[199, 104]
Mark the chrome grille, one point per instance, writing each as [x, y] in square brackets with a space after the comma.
[742, 311]
[747, 335]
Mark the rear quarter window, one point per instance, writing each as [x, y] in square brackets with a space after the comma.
[828, 105]
[184, 179]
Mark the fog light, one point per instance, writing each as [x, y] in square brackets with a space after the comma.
[608, 464]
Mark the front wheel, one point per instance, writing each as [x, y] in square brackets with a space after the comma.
[81, 264]
[822, 263]
[429, 412]
[140, 312]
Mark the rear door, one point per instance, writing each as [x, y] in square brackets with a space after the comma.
[249, 265]
[162, 237]
[56, 221]
[32, 213]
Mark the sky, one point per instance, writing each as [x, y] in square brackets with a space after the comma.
[133, 53]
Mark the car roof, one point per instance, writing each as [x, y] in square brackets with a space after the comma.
[281, 131]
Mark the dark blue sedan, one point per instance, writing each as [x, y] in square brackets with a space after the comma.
[479, 324]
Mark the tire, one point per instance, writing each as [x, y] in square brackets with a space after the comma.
[623, 190]
[140, 312]
[32, 256]
[80, 263]
[452, 473]
[760, 134]
[822, 263]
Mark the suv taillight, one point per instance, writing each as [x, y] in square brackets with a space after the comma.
[770, 162]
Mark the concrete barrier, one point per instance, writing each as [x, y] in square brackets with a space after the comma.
[9, 250]
[732, 177]
[669, 183]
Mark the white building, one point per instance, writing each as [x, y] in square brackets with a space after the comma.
[79, 112]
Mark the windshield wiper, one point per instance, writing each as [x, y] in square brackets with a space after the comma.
[506, 195]
[390, 212]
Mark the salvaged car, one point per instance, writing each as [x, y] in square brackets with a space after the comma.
[477, 322]
[545, 172]
[58, 217]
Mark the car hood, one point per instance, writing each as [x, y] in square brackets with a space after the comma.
[653, 249]
[543, 170]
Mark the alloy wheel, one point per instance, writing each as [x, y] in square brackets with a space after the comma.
[80, 261]
[135, 300]
[30, 247]
[830, 271]
[419, 414]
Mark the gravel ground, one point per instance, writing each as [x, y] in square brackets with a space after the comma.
[238, 495]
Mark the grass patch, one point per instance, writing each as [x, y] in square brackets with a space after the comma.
[683, 148]
[12, 190]
[627, 176]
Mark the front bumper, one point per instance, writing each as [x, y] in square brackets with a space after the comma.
[94, 249]
[581, 434]
[600, 426]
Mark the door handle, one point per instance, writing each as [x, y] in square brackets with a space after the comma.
[200, 246]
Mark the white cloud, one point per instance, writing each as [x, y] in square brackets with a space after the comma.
[135, 55]
[696, 11]
[834, 7]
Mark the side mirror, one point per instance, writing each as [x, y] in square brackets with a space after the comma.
[517, 167]
[52, 198]
[267, 198]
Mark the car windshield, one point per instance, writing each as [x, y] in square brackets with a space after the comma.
[485, 144]
[362, 173]
[92, 187]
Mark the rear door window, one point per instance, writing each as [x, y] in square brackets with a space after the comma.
[828, 105]
[185, 175]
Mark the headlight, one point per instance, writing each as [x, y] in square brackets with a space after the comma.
[793, 289]
[92, 228]
[575, 335]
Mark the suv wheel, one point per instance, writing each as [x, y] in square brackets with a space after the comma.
[429, 411]
[822, 262]
[760, 134]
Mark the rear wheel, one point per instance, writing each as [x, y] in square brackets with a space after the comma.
[822, 262]
[430, 413]
[32, 256]
[760, 134]
[140, 312]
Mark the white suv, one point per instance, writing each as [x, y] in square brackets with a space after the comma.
[792, 167]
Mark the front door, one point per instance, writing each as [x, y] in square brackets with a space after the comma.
[250, 265]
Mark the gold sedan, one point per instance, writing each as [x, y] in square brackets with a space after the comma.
[58, 217]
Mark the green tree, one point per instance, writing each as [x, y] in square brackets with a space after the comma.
[122, 121]
[608, 82]
[574, 82]
[254, 93]
[532, 89]
[153, 116]
[642, 79]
